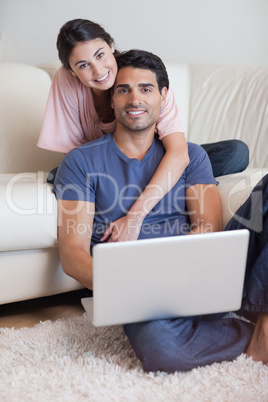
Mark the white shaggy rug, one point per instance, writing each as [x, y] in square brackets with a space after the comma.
[70, 360]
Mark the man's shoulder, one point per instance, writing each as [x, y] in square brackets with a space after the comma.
[87, 156]
[78, 162]
[95, 144]
[91, 148]
[196, 152]
[199, 159]
[199, 169]
[195, 148]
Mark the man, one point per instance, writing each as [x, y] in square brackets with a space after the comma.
[97, 183]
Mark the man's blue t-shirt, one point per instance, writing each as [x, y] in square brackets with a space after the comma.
[100, 173]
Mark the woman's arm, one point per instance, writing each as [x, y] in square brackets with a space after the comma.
[170, 169]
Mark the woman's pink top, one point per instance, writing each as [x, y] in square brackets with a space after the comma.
[71, 119]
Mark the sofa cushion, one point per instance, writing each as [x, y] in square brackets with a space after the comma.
[24, 90]
[28, 274]
[230, 102]
[235, 189]
[28, 212]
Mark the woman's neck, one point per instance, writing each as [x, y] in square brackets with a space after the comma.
[102, 103]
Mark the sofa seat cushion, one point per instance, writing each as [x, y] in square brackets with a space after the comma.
[236, 188]
[28, 212]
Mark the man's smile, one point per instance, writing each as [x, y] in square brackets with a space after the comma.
[136, 112]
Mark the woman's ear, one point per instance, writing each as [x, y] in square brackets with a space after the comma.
[73, 73]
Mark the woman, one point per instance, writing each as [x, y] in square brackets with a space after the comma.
[79, 111]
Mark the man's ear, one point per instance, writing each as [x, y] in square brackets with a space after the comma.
[163, 96]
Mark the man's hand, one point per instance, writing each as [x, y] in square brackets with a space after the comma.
[123, 229]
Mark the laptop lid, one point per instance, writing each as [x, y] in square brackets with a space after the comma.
[167, 277]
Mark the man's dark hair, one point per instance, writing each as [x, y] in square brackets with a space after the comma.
[145, 60]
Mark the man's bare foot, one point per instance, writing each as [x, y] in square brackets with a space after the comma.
[258, 346]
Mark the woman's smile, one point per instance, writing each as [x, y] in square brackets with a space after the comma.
[104, 78]
[93, 62]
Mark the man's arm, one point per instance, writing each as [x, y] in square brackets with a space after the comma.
[204, 208]
[75, 222]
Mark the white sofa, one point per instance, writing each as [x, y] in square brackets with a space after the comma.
[215, 103]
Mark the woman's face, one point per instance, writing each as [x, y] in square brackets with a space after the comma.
[94, 64]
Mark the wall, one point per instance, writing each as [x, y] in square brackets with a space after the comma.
[194, 31]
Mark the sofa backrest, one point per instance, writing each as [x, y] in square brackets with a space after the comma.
[226, 102]
[23, 96]
[179, 82]
[215, 103]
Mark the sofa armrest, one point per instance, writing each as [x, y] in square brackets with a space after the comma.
[235, 189]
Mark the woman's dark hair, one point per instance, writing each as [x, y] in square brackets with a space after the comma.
[75, 31]
[141, 59]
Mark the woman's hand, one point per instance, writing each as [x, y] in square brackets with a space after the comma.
[123, 229]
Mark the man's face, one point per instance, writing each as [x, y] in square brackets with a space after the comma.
[136, 99]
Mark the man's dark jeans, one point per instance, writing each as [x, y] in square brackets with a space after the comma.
[185, 343]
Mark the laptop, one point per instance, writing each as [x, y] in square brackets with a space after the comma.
[168, 277]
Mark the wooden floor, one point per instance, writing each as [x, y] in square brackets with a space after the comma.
[31, 312]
